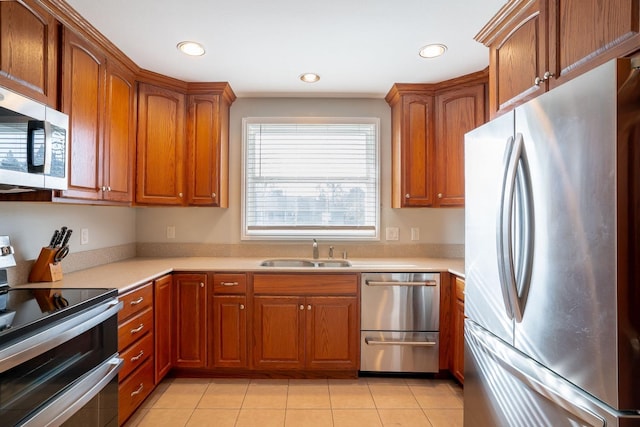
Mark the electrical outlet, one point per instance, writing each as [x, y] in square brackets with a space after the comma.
[415, 233]
[171, 231]
[393, 233]
[84, 236]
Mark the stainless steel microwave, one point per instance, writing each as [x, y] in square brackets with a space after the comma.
[33, 145]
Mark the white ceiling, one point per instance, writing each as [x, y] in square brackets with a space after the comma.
[358, 47]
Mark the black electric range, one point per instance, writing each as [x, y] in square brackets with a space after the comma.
[25, 310]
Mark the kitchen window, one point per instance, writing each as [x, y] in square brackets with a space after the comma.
[310, 178]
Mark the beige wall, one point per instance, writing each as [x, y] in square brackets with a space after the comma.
[222, 226]
[30, 226]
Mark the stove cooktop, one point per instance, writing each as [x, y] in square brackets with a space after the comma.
[23, 310]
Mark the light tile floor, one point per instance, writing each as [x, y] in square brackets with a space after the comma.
[364, 402]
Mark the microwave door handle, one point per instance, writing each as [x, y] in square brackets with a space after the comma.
[503, 230]
[32, 127]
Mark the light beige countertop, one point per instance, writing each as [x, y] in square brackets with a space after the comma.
[127, 274]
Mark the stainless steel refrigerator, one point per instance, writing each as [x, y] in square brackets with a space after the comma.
[552, 253]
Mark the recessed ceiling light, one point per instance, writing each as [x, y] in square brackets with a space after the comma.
[191, 48]
[309, 77]
[432, 50]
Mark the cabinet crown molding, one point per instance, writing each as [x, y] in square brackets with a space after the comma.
[512, 11]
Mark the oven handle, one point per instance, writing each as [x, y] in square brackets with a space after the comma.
[44, 341]
[371, 341]
[72, 400]
[424, 283]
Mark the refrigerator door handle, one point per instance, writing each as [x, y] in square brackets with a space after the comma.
[512, 219]
[503, 227]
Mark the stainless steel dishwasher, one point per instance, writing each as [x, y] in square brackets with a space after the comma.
[400, 318]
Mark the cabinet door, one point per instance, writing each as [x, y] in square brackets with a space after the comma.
[161, 146]
[457, 356]
[28, 50]
[229, 346]
[586, 33]
[163, 326]
[119, 136]
[82, 99]
[204, 149]
[417, 150]
[332, 333]
[517, 59]
[191, 320]
[457, 112]
[278, 328]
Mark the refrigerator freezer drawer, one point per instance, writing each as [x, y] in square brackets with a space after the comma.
[399, 351]
[505, 388]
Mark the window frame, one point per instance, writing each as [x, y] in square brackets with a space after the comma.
[302, 234]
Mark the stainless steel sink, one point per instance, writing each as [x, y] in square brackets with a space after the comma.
[296, 262]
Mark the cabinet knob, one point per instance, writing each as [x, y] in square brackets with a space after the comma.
[201, 285]
[309, 307]
[213, 195]
[439, 195]
[537, 81]
[547, 75]
[241, 306]
[108, 188]
[180, 195]
[103, 188]
[301, 306]
[407, 196]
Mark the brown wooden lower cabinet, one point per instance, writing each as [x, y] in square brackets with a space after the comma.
[163, 326]
[306, 330]
[457, 353]
[229, 346]
[190, 320]
[134, 390]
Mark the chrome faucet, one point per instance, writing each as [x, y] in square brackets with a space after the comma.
[315, 249]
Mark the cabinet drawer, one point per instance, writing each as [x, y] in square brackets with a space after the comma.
[230, 283]
[136, 354]
[136, 301]
[305, 284]
[134, 328]
[134, 390]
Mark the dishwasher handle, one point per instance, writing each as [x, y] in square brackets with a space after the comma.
[372, 341]
[422, 283]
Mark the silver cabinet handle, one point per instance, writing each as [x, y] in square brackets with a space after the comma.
[137, 301]
[371, 341]
[407, 196]
[180, 195]
[138, 329]
[229, 283]
[547, 75]
[301, 306]
[103, 188]
[537, 81]
[439, 195]
[309, 307]
[138, 390]
[136, 358]
[425, 283]
[201, 285]
[241, 306]
[213, 195]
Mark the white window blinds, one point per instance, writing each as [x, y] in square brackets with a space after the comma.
[310, 179]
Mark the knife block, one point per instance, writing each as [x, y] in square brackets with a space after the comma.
[44, 269]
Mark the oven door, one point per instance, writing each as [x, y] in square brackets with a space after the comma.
[48, 376]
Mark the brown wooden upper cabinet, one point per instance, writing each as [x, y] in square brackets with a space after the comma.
[536, 45]
[29, 50]
[183, 145]
[428, 124]
[98, 95]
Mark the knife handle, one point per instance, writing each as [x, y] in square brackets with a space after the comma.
[67, 236]
[54, 239]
